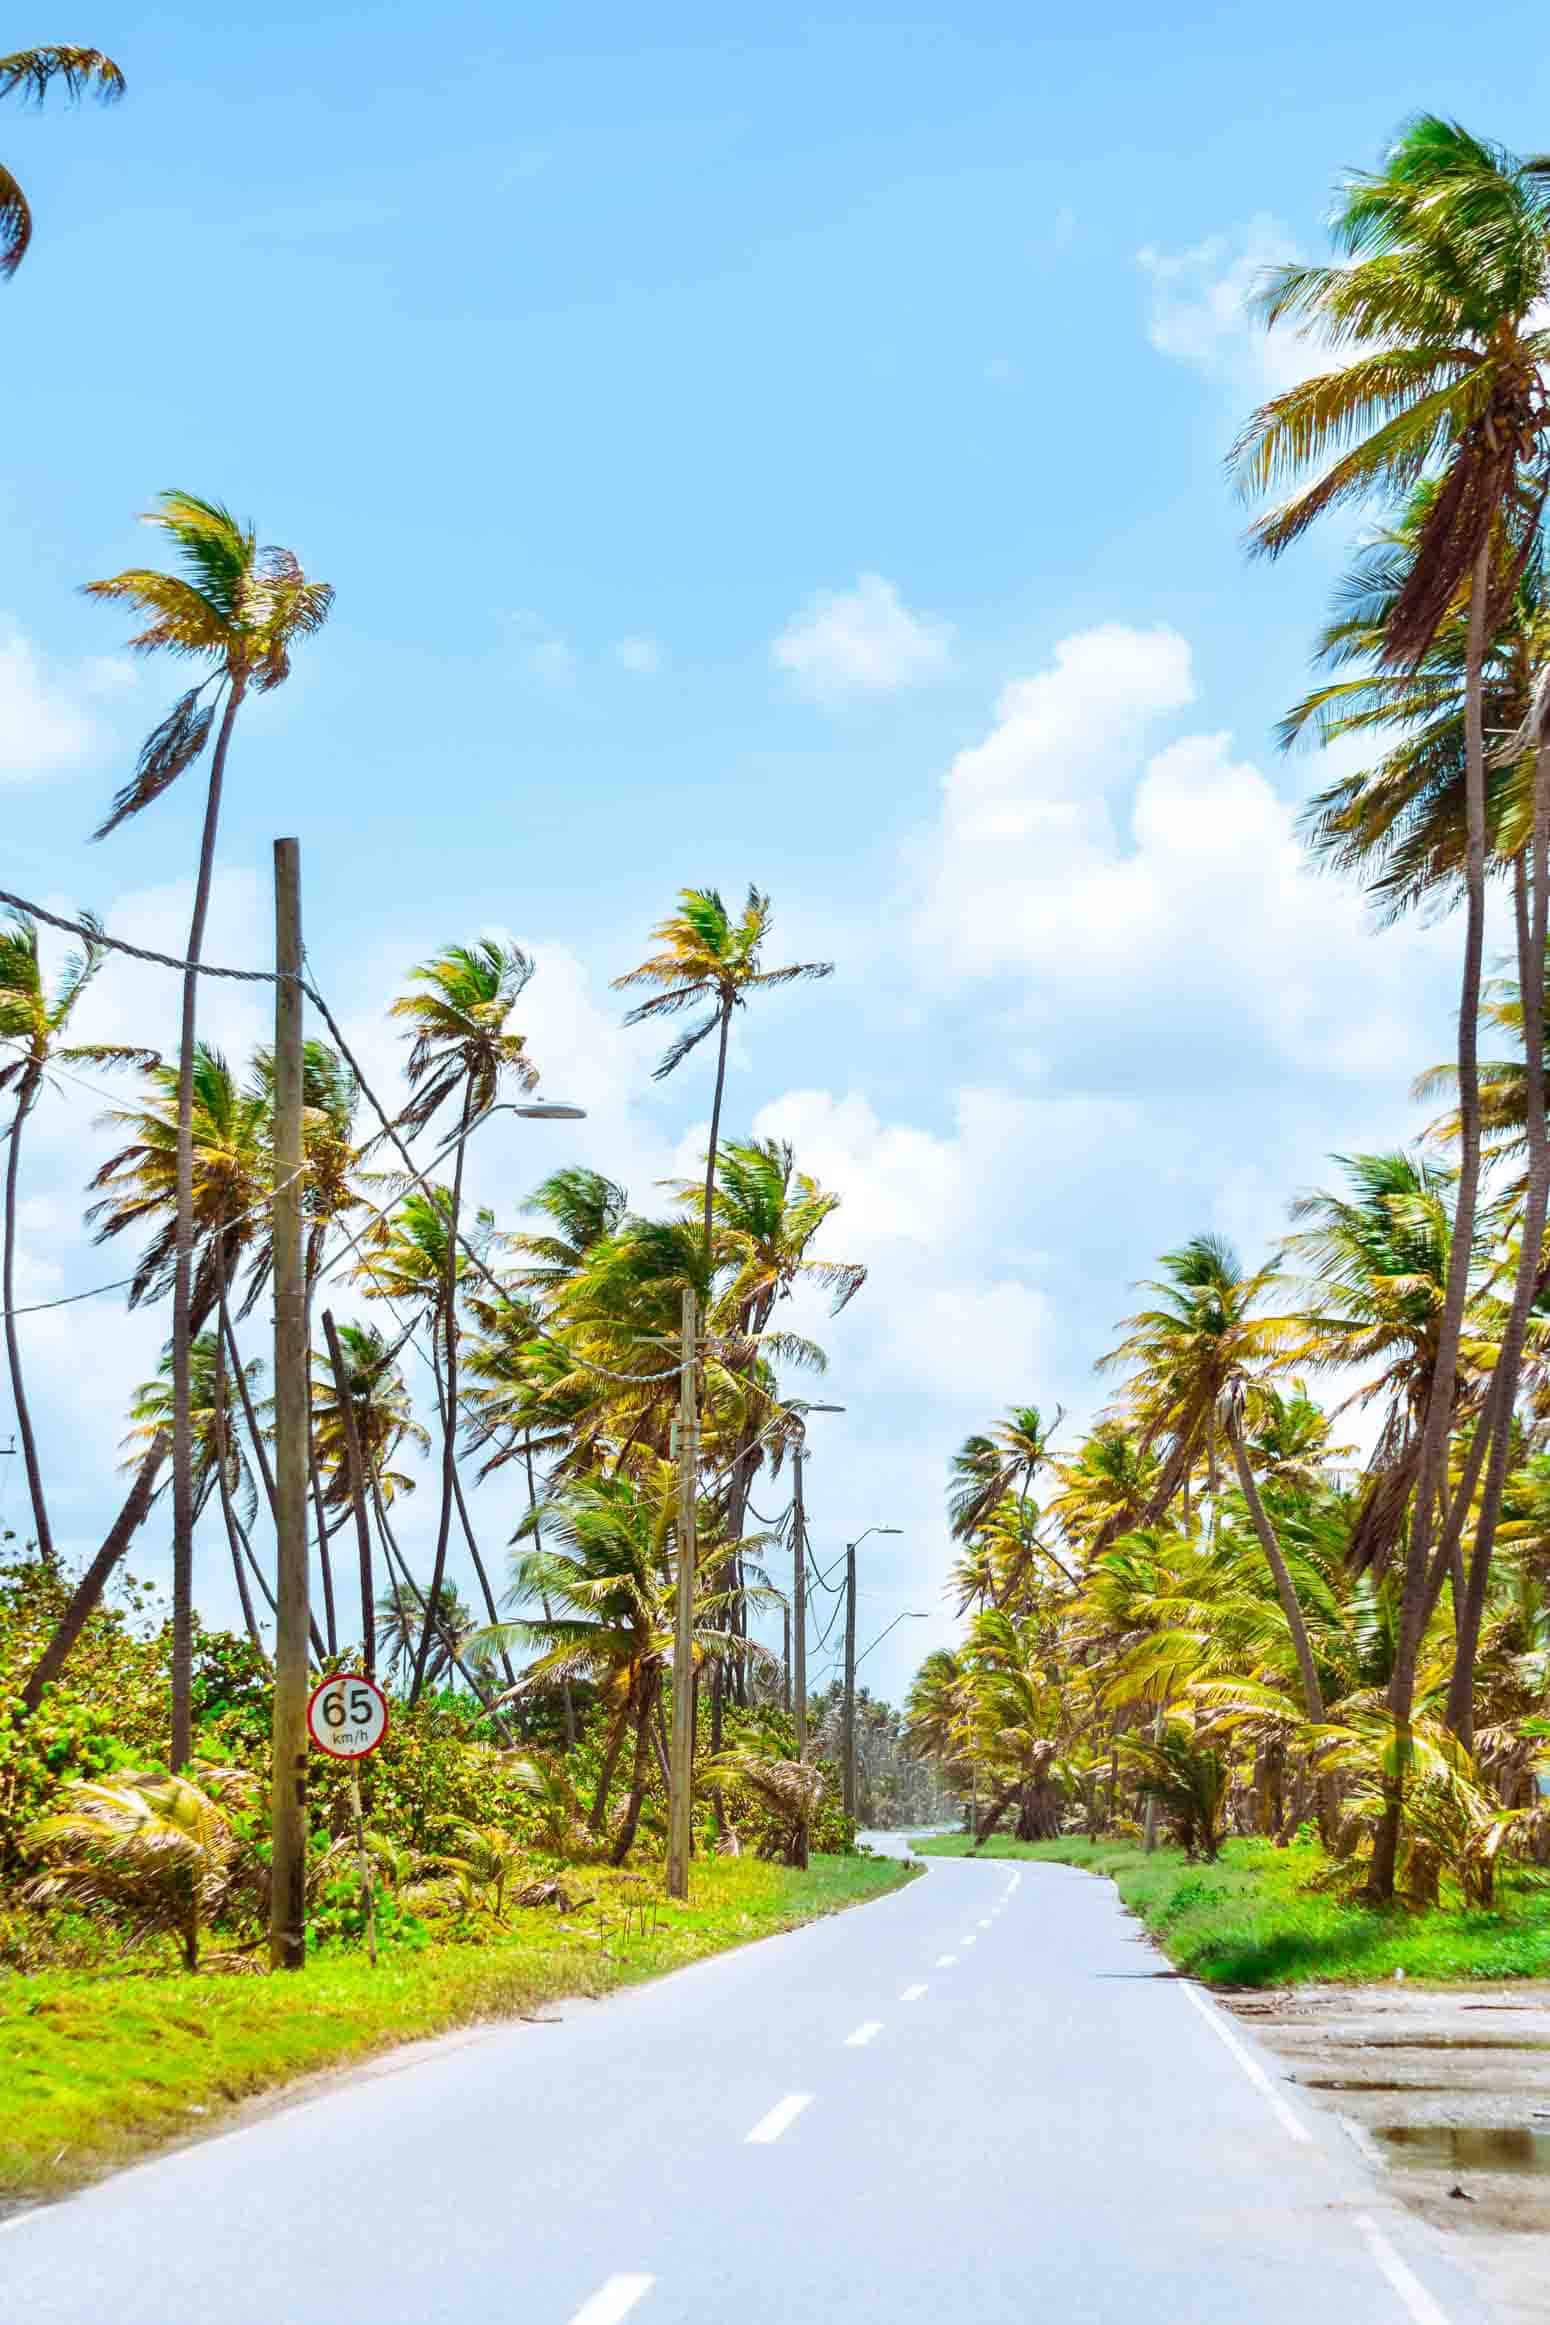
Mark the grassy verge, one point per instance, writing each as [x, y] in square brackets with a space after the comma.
[1256, 1917]
[94, 2070]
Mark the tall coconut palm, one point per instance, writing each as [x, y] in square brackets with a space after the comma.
[1194, 1361]
[31, 72]
[221, 1468]
[34, 1018]
[710, 961]
[462, 1045]
[1441, 299]
[241, 608]
[1372, 1269]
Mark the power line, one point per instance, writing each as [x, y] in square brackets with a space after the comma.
[94, 935]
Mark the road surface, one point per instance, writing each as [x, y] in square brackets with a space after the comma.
[979, 2101]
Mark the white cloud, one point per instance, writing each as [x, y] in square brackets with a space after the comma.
[42, 726]
[1165, 891]
[861, 641]
[1200, 309]
[541, 651]
[641, 655]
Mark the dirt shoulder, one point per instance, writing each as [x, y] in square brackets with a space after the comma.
[1447, 2093]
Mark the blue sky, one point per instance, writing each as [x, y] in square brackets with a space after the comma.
[790, 452]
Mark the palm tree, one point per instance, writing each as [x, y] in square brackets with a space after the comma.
[220, 1465]
[241, 608]
[1448, 249]
[460, 1042]
[607, 1569]
[31, 70]
[33, 1017]
[157, 1851]
[709, 960]
[1196, 1360]
[1374, 1267]
[581, 1207]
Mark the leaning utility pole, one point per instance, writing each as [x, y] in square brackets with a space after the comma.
[798, 1600]
[288, 1826]
[681, 1770]
[850, 1679]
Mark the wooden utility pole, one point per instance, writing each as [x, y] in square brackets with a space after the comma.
[798, 1600]
[681, 1769]
[850, 1679]
[356, 1466]
[288, 1822]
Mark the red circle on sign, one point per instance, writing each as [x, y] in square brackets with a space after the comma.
[347, 1716]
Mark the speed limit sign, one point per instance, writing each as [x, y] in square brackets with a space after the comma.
[347, 1716]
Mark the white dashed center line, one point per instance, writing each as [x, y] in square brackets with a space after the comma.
[612, 2301]
[864, 2034]
[780, 2118]
[985, 1924]
[945, 1961]
[967, 1941]
[912, 1993]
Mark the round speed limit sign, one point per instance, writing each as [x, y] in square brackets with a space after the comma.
[347, 1716]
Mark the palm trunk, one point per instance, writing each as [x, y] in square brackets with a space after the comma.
[1280, 1574]
[24, 1102]
[325, 1562]
[345, 1399]
[625, 1839]
[1531, 900]
[715, 1118]
[487, 1594]
[89, 1590]
[223, 1487]
[1439, 1405]
[449, 1397]
[398, 1568]
[599, 1815]
[182, 1736]
[566, 1698]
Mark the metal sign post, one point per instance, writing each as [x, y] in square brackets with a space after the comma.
[347, 1718]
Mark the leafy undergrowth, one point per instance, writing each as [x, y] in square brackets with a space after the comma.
[1256, 1918]
[96, 2069]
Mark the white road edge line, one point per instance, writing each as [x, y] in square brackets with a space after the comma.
[1250, 2065]
[1362, 2140]
[913, 1993]
[1404, 2280]
[864, 2033]
[17, 2218]
[945, 1961]
[780, 2118]
[612, 2301]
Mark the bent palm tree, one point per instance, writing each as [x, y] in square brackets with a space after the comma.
[1441, 301]
[32, 70]
[460, 1041]
[242, 608]
[33, 1016]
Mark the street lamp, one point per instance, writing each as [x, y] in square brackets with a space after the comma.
[910, 1615]
[849, 1764]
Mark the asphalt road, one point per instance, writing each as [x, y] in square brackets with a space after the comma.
[976, 2102]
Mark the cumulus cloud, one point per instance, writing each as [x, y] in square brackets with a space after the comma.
[1200, 309]
[540, 650]
[42, 725]
[640, 655]
[1153, 886]
[861, 641]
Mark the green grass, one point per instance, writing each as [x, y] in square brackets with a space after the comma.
[1255, 1918]
[94, 2070]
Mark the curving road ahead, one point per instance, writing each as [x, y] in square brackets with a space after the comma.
[981, 2101]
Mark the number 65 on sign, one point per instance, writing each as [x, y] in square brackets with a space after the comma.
[347, 1716]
